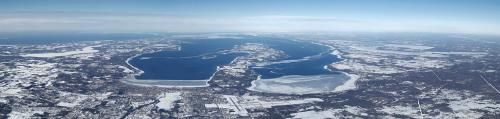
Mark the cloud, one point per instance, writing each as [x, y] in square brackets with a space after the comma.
[135, 22]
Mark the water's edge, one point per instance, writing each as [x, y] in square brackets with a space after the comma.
[348, 83]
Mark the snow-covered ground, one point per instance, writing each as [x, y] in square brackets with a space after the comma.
[402, 110]
[239, 104]
[314, 114]
[353, 65]
[328, 113]
[413, 47]
[464, 104]
[71, 99]
[167, 100]
[85, 50]
[25, 75]
[391, 58]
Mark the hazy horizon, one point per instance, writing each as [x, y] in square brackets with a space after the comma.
[444, 16]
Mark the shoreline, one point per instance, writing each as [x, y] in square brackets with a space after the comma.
[353, 78]
[252, 87]
[130, 79]
[349, 84]
[135, 68]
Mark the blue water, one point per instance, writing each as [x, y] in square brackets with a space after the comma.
[313, 66]
[197, 60]
[191, 62]
[296, 50]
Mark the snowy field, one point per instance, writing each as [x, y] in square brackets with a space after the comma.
[85, 50]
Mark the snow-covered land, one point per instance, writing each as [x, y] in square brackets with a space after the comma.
[413, 47]
[167, 100]
[391, 58]
[239, 104]
[314, 114]
[85, 50]
[328, 113]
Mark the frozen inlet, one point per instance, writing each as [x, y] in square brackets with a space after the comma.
[296, 84]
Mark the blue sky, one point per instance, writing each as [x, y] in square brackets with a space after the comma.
[462, 16]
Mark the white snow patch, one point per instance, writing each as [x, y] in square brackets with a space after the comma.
[314, 114]
[330, 113]
[415, 47]
[401, 110]
[125, 69]
[422, 63]
[356, 66]
[68, 104]
[167, 100]
[85, 50]
[20, 115]
[2, 100]
[12, 91]
[463, 104]
[490, 71]
[349, 84]
[71, 99]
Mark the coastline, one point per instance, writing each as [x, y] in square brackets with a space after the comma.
[333, 49]
[130, 79]
[139, 72]
[349, 84]
[353, 78]
[166, 83]
[252, 87]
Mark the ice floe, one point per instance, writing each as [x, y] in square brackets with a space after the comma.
[296, 84]
[349, 84]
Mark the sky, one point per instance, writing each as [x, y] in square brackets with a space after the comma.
[449, 16]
